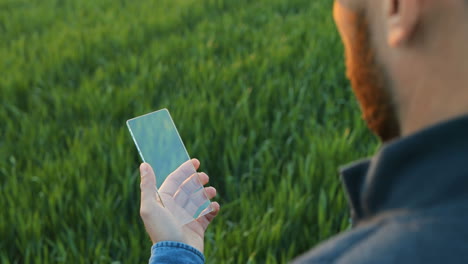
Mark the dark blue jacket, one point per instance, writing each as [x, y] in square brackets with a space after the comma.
[409, 203]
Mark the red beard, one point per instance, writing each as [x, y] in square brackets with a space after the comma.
[368, 80]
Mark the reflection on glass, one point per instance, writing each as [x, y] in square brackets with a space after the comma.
[160, 145]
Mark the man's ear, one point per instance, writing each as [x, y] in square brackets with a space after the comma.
[402, 18]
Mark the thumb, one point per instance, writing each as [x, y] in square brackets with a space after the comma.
[148, 183]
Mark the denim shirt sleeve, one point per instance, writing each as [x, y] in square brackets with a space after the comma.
[168, 252]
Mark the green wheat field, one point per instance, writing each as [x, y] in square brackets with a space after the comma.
[256, 88]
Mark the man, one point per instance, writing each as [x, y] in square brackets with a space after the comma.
[407, 61]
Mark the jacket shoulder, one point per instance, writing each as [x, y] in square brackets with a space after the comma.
[402, 239]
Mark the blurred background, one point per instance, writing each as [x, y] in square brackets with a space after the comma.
[256, 88]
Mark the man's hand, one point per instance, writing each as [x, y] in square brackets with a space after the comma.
[160, 223]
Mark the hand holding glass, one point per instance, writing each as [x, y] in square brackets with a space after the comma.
[179, 187]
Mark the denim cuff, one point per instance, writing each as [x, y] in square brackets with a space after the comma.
[175, 252]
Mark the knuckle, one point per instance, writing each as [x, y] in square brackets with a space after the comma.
[143, 185]
[145, 212]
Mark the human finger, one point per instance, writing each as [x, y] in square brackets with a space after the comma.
[203, 177]
[189, 198]
[195, 163]
[177, 177]
[194, 183]
[206, 219]
[210, 192]
[148, 183]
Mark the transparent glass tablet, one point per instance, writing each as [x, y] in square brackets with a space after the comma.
[178, 184]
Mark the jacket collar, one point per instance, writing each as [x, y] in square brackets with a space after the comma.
[416, 172]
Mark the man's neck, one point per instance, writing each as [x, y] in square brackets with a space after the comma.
[440, 96]
[435, 85]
